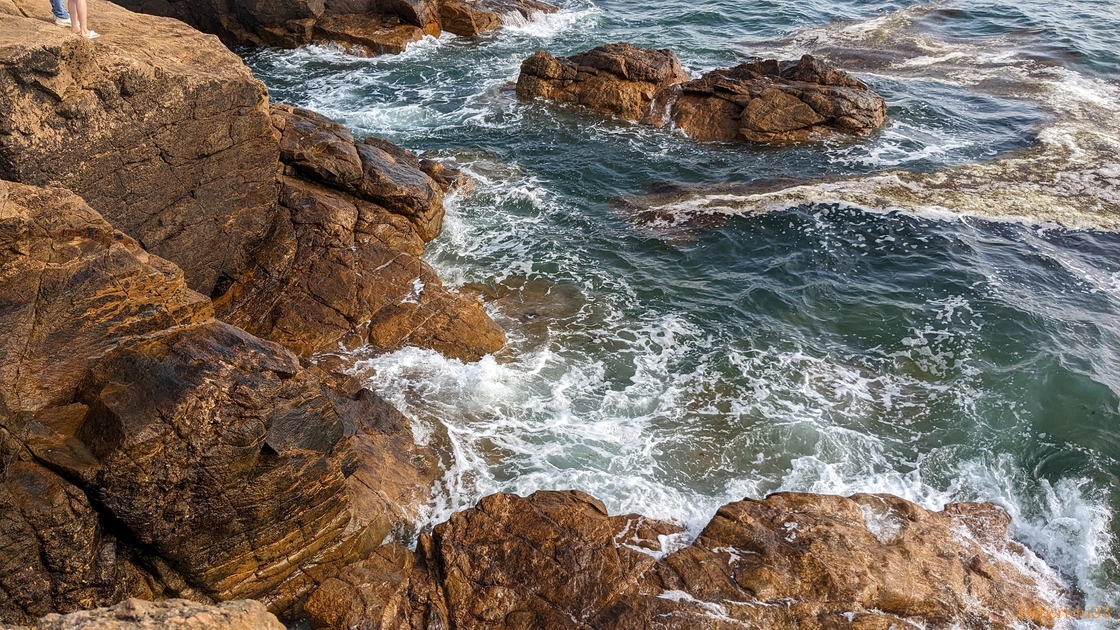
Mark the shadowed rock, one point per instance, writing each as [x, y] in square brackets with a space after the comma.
[764, 101]
[557, 560]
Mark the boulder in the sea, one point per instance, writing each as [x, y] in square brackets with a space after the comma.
[172, 614]
[471, 18]
[367, 35]
[763, 101]
[790, 561]
[772, 101]
[617, 79]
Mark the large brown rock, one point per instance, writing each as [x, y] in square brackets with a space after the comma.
[764, 101]
[771, 101]
[345, 267]
[221, 465]
[471, 18]
[71, 289]
[617, 79]
[174, 614]
[157, 126]
[557, 560]
[367, 35]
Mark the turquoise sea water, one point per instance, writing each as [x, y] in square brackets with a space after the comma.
[669, 362]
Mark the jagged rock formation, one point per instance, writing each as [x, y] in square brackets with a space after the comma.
[310, 287]
[169, 136]
[365, 27]
[557, 560]
[763, 101]
[175, 614]
[176, 455]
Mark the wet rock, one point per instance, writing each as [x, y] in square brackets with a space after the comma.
[367, 35]
[617, 79]
[174, 614]
[557, 560]
[471, 18]
[763, 101]
[771, 101]
[345, 267]
[158, 127]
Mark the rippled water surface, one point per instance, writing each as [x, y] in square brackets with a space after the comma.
[670, 362]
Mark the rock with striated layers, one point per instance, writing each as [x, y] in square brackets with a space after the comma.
[173, 614]
[158, 127]
[217, 466]
[617, 79]
[471, 18]
[345, 267]
[763, 101]
[71, 289]
[557, 560]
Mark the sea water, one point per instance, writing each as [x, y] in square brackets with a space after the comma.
[790, 318]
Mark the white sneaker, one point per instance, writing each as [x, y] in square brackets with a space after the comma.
[62, 21]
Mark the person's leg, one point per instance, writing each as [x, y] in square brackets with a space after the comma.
[58, 8]
[75, 22]
[79, 12]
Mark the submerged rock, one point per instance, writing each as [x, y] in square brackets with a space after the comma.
[557, 560]
[763, 101]
[173, 614]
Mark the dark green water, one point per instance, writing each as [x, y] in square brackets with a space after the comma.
[669, 366]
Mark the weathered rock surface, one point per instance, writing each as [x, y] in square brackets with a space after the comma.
[71, 289]
[557, 560]
[162, 130]
[223, 467]
[764, 101]
[471, 18]
[617, 79]
[345, 267]
[178, 148]
[174, 614]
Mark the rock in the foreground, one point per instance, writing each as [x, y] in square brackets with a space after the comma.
[762, 101]
[557, 560]
[172, 614]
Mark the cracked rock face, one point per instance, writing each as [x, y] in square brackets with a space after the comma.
[159, 128]
[158, 452]
[763, 101]
[796, 561]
